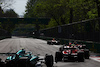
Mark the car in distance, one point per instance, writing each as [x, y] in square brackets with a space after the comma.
[53, 42]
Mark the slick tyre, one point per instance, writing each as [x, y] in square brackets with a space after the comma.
[60, 49]
[48, 42]
[10, 64]
[58, 43]
[86, 53]
[58, 56]
[80, 57]
[49, 60]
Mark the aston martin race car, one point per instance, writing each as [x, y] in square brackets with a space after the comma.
[26, 59]
[69, 54]
[53, 42]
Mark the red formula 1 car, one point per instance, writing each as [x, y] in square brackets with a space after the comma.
[85, 49]
[81, 47]
[68, 53]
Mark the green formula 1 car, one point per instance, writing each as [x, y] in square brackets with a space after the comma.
[26, 59]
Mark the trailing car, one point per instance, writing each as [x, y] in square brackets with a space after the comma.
[53, 42]
[69, 54]
[26, 59]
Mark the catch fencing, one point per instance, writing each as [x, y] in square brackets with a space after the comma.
[87, 30]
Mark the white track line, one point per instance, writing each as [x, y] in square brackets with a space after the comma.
[95, 58]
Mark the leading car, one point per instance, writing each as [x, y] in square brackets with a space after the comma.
[53, 42]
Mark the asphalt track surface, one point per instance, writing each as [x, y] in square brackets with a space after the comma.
[37, 46]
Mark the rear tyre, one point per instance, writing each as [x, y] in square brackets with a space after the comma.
[48, 42]
[81, 57]
[10, 64]
[49, 60]
[58, 43]
[58, 56]
[86, 53]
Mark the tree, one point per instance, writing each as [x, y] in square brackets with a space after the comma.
[8, 25]
[10, 13]
[1, 12]
[6, 3]
[3, 5]
[98, 10]
[29, 8]
[47, 8]
[62, 11]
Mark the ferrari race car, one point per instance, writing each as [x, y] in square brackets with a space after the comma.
[85, 49]
[53, 42]
[26, 59]
[69, 54]
[81, 47]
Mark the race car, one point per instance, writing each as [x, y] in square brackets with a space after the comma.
[69, 54]
[83, 47]
[26, 59]
[53, 42]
